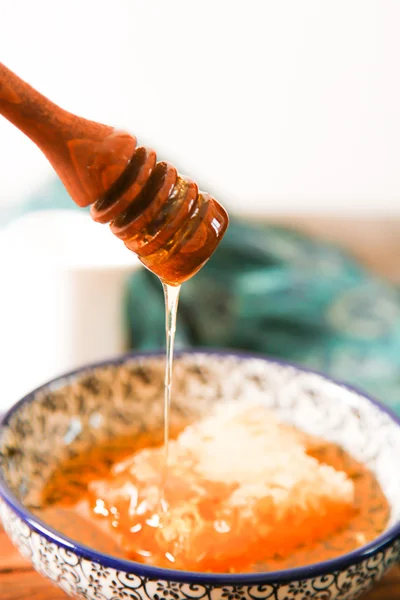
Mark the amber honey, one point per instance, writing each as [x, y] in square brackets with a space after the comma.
[82, 500]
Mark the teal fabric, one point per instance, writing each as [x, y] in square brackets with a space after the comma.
[278, 292]
[275, 291]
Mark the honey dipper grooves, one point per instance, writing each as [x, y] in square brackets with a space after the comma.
[158, 214]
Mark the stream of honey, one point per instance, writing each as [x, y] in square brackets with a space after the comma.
[74, 506]
[171, 299]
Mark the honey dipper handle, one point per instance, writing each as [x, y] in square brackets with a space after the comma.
[87, 156]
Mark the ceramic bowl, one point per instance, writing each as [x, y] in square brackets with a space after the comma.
[107, 400]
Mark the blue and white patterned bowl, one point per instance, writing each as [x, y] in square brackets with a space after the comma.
[106, 400]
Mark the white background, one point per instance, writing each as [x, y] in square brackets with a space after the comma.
[282, 106]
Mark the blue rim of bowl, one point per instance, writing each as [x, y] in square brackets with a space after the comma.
[380, 544]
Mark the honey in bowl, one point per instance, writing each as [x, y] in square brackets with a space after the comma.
[243, 493]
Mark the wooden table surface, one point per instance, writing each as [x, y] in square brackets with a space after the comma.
[374, 242]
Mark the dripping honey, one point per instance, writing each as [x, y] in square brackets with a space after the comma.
[237, 550]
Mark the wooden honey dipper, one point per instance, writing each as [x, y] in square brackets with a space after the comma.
[159, 214]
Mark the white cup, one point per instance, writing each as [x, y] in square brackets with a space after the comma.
[63, 280]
